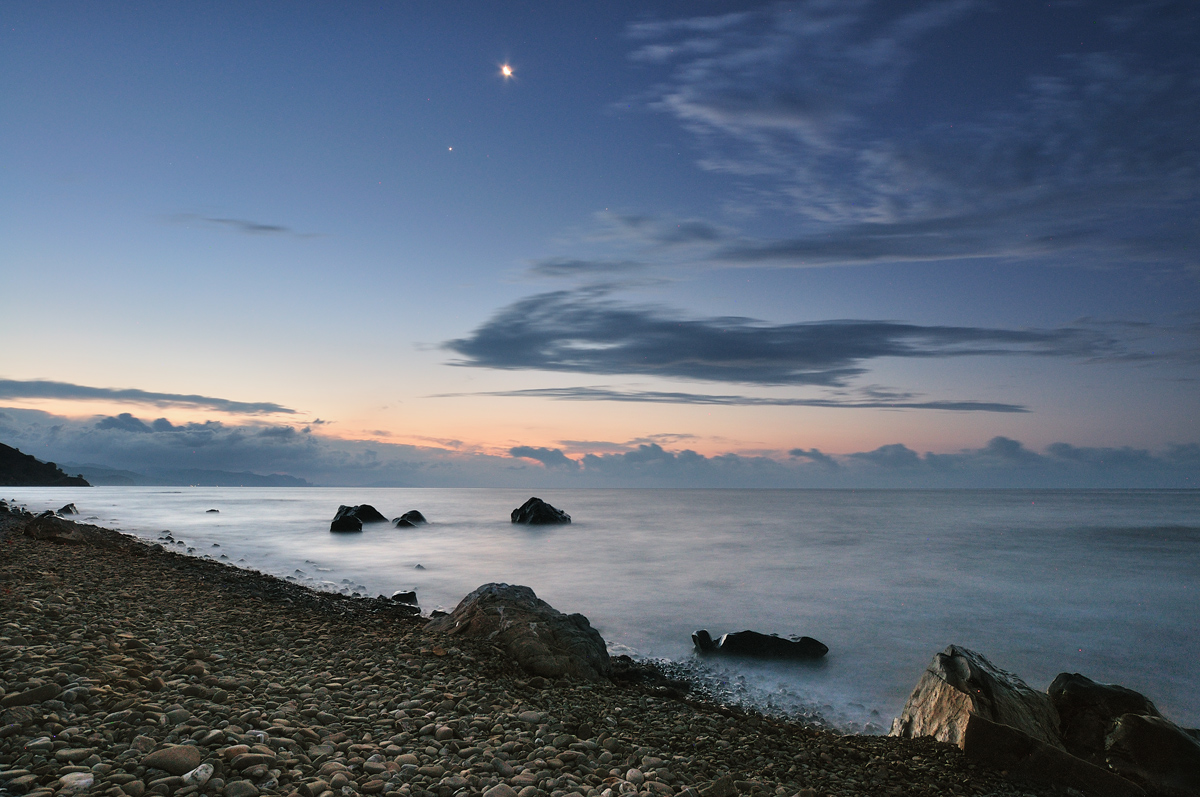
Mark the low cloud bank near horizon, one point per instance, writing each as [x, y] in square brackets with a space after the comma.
[142, 446]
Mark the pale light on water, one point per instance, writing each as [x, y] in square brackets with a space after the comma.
[1097, 582]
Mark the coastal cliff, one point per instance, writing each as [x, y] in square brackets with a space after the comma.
[23, 470]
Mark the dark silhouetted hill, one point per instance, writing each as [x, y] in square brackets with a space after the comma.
[23, 470]
[113, 477]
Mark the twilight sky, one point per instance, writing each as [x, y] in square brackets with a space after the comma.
[831, 243]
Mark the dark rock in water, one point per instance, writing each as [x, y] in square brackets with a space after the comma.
[1027, 759]
[960, 682]
[541, 639]
[405, 597]
[410, 519]
[536, 512]
[211, 511]
[348, 516]
[368, 514]
[69, 509]
[345, 520]
[1156, 752]
[418, 566]
[762, 646]
[1087, 711]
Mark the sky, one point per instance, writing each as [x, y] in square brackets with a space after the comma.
[695, 244]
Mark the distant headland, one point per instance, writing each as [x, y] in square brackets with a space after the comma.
[24, 470]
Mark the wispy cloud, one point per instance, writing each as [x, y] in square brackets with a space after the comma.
[41, 389]
[1095, 154]
[245, 226]
[582, 332]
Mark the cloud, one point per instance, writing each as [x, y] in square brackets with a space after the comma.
[245, 226]
[668, 397]
[815, 456]
[40, 389]
[549, 457]
[821, 110]
[129, 443]
[580, 333]
[569, 267]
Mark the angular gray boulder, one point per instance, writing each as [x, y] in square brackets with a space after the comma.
[960, 682]
[541, 639]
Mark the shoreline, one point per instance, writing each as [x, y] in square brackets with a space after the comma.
[148, 648]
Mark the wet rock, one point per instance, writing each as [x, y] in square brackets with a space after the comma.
[1025, 758]
[76, 782]
[50, 528]
[543, 640]
[536, 512]
[212, 511]
[960, 682]
[1087, 711]
[345, 520]
[1155, 752]
[69, 509]
[410, 519]
[178, 760]
[405, 596]
[752, 644]
[241, 788]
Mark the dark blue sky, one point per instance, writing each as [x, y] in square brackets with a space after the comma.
[740, 229]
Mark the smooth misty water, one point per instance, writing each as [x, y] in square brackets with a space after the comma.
[1098, 582]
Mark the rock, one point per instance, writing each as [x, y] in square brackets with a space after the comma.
[30, 697]
[763, 646]
[536, 512]
[1025, 758]
[960, 682]
[212, 511]
[500, 790]
[178, 760]
[1156, 752]
[50, 528]
[543, 640]
[409, 597]
[344, 520]
[721, 787]
[1087, 711]
[351, 518]
[410, 519]
[76, 782]
[241, 788]
[69, 509]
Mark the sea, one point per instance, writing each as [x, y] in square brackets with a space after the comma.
[1099, 582]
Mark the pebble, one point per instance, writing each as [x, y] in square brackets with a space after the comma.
[190, 678]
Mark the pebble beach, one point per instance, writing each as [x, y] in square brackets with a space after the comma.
[127, 669]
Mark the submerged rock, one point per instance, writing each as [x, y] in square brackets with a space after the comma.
[960, 682]
[410, 519]
[536, 512]
[541, 639]
[755, 645]
[211, 511]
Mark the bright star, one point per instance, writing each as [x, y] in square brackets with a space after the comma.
[506, 71]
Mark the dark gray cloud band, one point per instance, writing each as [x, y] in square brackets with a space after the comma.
[41, 389]
[580, 333]
[670, 397]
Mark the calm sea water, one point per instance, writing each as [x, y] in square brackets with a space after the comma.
[1098, 582]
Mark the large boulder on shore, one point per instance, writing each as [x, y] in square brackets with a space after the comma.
[536, 512]
[51, 528]
[541, 639]
[1156, 752]
[960, 682]
[753, 644]
[1087, 711]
